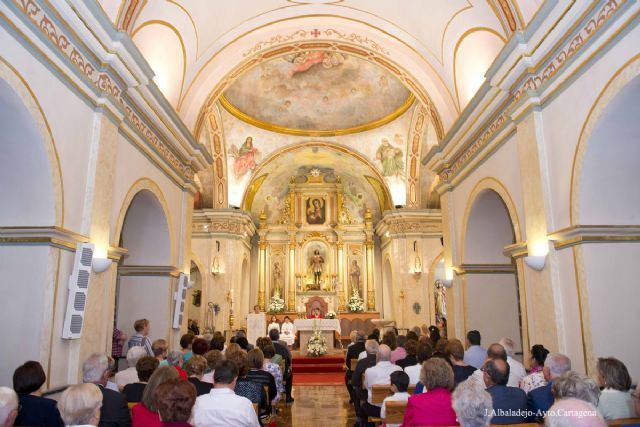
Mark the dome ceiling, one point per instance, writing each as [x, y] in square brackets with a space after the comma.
[317, 93]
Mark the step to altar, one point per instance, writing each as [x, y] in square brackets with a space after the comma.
[317, 365]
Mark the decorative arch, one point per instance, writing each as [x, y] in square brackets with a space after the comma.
[258, 174]
[22, 89]
[623, 76]
[493, 184]
[138, 186]
[277, 39]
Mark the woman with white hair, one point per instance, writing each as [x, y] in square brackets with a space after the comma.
[8, 406]
[80, 405]
[473, 405]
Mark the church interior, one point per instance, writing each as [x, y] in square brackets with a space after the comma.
[363, 165]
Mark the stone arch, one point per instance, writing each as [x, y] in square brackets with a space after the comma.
[31, 126]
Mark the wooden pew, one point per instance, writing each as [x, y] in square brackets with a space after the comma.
[394, 411]
[623, 421]
[353, 363]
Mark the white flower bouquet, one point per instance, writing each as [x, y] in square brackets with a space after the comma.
[317, 346]
[355, 304]
[330, 315]
[276, 305]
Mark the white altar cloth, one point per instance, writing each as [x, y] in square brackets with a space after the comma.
[323, 324]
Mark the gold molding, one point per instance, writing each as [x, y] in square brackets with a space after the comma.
[592, 119]
[58, 237]
[148, 270]
[495, 185]
[184, 49]
[260, 169]
[579, 234]
[455, 54]
[485, 269]
[241, 115]
[516, 250]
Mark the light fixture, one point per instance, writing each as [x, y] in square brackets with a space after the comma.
[448, 277]
[538, 250]
[535, 261]
[100, 265]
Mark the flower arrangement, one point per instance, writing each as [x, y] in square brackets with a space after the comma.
[330, 315]
[355, 304]
[317, 346]
[276, 305]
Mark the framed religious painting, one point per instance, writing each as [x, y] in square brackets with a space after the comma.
[316, 210]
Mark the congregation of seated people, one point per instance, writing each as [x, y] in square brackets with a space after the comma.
[207, 382]
[432, 380]
[446, 383]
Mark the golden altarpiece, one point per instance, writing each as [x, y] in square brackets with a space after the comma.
[315, 250]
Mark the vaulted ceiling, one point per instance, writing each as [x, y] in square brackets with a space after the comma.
[347, 72]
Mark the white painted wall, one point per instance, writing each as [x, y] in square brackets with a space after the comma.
[612, 286]
[492, 307]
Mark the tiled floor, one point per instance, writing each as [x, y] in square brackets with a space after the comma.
[316, 406]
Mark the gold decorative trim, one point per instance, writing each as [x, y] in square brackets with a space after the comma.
[239, 114]
[516, 250]
[314, 235]
[58, 237]
[485, 269]
[579, 234]
[613, 86]
[493, 184]
[385, 201]
[184, 49]
[96, 74]
[252, 190]
[148, 270]
[455, 54]
[361, 51]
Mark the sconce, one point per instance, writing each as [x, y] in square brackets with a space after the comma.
[100, 265]
[538, 254]
[215, 264]
[448, 277]
[417, 263]
[535, 261]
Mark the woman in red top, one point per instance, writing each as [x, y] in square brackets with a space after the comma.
[433, 407]
[145, 413]
[315, 314]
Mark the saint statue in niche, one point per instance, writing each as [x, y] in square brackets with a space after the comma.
[354, 275]
[316, 265]
[244, 158]
[315, 211]
[277, 277]
[440, 298]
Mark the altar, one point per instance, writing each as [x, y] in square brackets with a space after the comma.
[327, 327]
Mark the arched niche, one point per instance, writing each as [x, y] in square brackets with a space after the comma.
[30, 196]
[195, 301]
[604, 193]
[145, 282]
[490, 279]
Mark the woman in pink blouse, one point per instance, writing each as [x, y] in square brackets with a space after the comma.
[433, 407]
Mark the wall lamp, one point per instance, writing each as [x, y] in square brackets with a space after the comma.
[537, 257]
[100, 265]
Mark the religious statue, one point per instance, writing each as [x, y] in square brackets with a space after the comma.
[315, 211]
[244, 158]
[440, 294]
[316, 268]
[354, 275]
[391, 158]
[277, 277]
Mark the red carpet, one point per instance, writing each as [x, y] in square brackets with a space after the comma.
[331, 378]
[318, 365]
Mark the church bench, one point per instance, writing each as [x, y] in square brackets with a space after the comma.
[354, 362]
[623, 421]
[394, 411]
[380, 391]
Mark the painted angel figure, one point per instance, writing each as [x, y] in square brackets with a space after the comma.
[244, 158]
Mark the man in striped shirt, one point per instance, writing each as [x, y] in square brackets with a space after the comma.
[140, 339]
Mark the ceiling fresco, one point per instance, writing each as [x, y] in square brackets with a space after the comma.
[248, 146]
[317, 91]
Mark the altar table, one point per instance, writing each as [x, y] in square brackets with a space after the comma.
[326, 326]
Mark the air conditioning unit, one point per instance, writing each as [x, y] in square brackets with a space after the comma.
[78, 292]
[180, 297]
